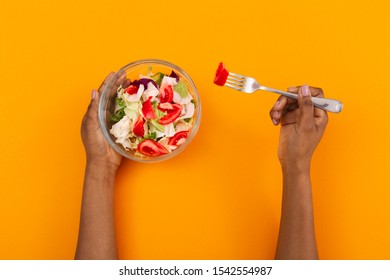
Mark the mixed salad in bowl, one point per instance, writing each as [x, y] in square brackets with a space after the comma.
[154, 115]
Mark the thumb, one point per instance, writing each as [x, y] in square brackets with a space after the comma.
[94, 104]
[94, 99]
[306, 110]
[91, 116]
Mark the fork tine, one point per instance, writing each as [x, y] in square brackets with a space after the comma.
[235, 82]
[233, 87]
[236, 79]
[236, 75]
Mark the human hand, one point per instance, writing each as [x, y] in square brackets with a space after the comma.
[302, 127]
[98, 151]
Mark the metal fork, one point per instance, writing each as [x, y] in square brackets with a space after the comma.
[250, 85]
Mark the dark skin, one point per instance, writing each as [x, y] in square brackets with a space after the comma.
[302, 127]
[97, 229]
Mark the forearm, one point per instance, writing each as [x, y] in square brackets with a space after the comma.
[97, 229]
[296, 233]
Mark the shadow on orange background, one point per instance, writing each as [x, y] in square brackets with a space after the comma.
[221, 197]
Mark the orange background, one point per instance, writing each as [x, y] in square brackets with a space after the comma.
[221, 197]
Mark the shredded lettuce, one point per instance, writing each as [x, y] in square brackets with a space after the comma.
[159, 115]
[181, 89]
[121, 131]
[158, 126]
[151, 135]
[157, 78]
[157, 112]
[149, 71]
[151, 91]
[120, 106]
[128, 108]
[189, 111]
[132, 110]
[169, 80]
[118, 115]
[169, 130]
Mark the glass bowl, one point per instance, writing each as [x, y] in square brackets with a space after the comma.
[132, 72]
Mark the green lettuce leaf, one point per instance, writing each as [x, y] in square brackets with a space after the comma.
[132, 109]
[181, 89]
[158, 77]
[157, 112]
[152, 135]
[119, 102]
[158, 126]
[118, 115]
[119, 110]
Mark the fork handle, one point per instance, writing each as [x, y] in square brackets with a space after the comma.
[327, 104]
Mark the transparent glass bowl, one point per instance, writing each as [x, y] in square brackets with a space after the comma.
[132, 72]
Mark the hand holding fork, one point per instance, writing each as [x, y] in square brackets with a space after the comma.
[250, 85]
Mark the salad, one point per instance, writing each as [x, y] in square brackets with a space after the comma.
[154, 115]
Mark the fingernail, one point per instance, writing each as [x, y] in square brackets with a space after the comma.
[276, 104]
[275, 114]
[305, 90]
[93, 94]
[275, 122]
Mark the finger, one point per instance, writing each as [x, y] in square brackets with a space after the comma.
[91, 116]
[105, 82]
[289, 108]
[90, 109]
[276, 110]
[305, 110]
[114, 84]
[282, 105]
[293, 89]
[121, 78]
[318, 113]
[93, 105]
[289, 114]
[321, 116]
[316, 92]
[126, 83]
[288, 118]
[321, 121]
[292, 101]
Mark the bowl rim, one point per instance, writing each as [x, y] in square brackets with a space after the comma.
[101, 116]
